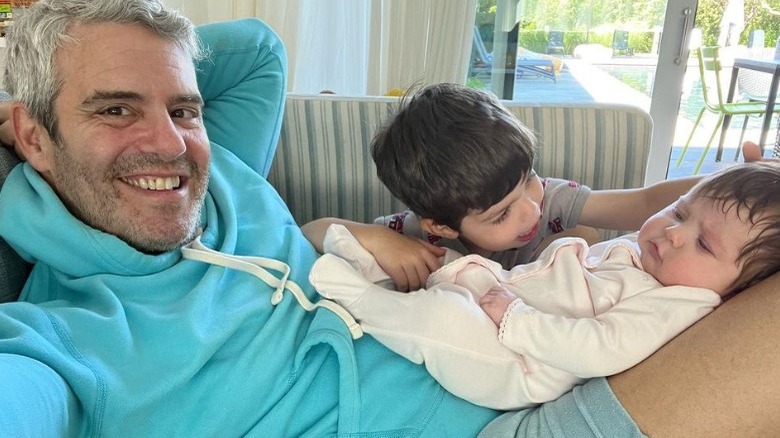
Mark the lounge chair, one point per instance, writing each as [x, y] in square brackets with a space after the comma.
[620, 43]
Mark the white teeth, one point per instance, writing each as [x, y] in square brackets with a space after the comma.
[167, 183]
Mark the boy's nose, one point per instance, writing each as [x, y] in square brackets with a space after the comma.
[530, 208]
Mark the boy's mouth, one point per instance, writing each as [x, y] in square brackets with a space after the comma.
[527, 237]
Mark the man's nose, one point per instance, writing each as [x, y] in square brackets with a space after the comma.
[165, 138]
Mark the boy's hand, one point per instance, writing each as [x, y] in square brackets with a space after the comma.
[408, 261]
[752, 152]
[495, 303]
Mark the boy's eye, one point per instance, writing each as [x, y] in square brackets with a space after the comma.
[502, 218]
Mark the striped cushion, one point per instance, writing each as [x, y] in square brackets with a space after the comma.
[323, 164]
[325, 167]
[601, 146]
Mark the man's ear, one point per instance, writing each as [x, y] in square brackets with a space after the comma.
[431, 227]
[32, 140]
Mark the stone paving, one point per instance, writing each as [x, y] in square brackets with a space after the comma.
[582, 81]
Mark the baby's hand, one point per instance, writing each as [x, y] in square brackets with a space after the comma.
[495, 303]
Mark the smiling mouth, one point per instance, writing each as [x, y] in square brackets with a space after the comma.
[529, 235]
[154, 183]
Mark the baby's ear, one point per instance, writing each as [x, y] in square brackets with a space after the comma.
[431, 227]
[33, 143]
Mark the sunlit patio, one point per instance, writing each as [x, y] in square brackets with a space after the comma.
[584, 81]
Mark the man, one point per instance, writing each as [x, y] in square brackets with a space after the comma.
[116, 333]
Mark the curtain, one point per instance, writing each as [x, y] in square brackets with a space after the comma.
[419, 42]
[358, 47]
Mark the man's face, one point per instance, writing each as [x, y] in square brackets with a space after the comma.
[132, 157]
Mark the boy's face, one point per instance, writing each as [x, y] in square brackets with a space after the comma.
[510, 223]
[693, 243]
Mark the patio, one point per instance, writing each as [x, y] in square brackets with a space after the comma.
[583, 81]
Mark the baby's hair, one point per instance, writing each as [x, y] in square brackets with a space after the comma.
[753, 189]
[450, 150]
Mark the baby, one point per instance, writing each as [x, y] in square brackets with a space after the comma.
[508, 339]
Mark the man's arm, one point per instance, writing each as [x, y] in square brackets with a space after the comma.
[719, 378]
[627, 209]
[243, 85]
[6, 127]
[34, 400]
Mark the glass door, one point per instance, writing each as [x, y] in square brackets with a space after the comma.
[740, 29]
[575, 51]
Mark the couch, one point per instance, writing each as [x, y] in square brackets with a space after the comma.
[322, 166]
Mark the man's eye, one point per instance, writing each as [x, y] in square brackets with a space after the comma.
[114, 111]
[185, 113]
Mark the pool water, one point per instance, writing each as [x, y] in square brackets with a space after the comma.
[641, 77]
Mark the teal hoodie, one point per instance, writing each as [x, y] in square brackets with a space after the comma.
[108, 341]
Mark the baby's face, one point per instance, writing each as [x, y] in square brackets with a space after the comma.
[694, 243]
[510, 223]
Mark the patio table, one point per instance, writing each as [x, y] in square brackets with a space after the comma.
[771, 66]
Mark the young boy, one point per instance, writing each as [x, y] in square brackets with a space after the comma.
[462, 164]
[577, 312]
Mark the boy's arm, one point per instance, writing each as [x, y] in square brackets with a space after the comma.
[627, 209]
[408, 261]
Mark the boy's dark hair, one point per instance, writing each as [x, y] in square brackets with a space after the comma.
[754, 190]
[450, 150]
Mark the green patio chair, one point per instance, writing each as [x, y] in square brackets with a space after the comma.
[709, 64]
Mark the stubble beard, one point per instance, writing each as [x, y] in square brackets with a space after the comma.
[96, 202]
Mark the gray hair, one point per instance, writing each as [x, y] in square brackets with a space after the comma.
[31, 76]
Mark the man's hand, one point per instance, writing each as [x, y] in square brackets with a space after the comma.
[6, 125]
[408, 261]
[495, 303]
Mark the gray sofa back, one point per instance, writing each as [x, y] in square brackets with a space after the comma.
[323, 164]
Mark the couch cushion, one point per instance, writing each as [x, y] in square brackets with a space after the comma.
[323, 164]
[13, 270]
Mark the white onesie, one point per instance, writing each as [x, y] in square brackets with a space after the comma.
[582, 312]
